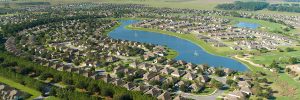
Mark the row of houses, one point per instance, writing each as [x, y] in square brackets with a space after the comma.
[10, 93]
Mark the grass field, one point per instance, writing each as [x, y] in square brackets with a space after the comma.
[172, 54]
[267, 58]
[21, 87]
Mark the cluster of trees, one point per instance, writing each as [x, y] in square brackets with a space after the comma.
[285, 7]
[33, 3]
[26, 68]
[238, 5]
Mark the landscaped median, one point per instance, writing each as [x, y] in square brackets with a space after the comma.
[21, 87]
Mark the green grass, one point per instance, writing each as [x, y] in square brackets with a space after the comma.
[52, 98]
[21, 87]
[206, 91]
[267, 58]
[172, 54]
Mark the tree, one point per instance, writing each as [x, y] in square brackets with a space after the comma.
[52, 92]
[107, 92]
[219, 72]
[292, 60]
[166, 86]
[183, 88]
[289, 49]
[216, 84]
[230, 82]
[120, 74]
[123, 96]
[93, 88]
[81, 85]
[155, 82]
[274, 64]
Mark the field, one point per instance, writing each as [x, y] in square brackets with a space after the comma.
[267, 58]
[193, 4]
[21, 87]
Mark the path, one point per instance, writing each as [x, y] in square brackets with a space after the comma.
[248, 61]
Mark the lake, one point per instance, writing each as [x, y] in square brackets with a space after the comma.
[247, 25]
[187, 51]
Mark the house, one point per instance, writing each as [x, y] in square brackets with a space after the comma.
[189, 76]
[171, 80]
[154, 92]
[228, 71]
[149, 75]
[107, 78]
[165, 96]
[166, 70]
[133, 64]
[179, 97]
[295, 68]
[235, 95]
[154, 69]
[203, 78]
[190, 66]
[158, 78]
[144, 66]
[196, 87]
[246, 90]
[129, 86]
[237, 48]
[244, 84]
[118, 69]
[142, 88]
[178, 73]
[118, 82]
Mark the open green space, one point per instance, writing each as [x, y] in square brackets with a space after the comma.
[207, 91]
[21, 87]
[269, 57]
[172, 54]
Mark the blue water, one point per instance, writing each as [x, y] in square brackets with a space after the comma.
[247, 25]
[185, 48]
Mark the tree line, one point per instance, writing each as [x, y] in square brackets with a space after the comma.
[238, 5]
[254, 6]
[285, 7]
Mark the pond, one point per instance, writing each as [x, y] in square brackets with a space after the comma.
[247, 25]
[187, 51]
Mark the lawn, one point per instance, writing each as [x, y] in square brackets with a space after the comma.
[207, 91]
[172, 54]
[21, 87]
[267, 58]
